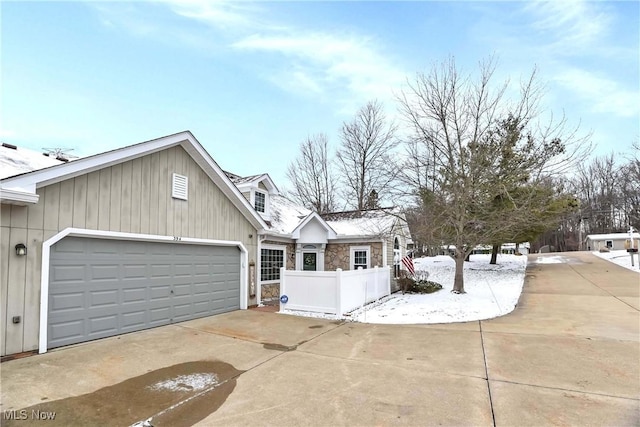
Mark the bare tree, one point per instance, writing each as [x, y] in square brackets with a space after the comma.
[311, 177]
[483, 177]
[365, 156]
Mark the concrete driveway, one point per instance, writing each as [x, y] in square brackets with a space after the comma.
[568, 355]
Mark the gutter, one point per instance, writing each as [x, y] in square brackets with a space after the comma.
[18, 197]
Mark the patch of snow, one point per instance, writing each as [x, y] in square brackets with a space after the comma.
[620, 257]
[285, 214]
[492, 291]
[22, 160]
[371, 223]
[554, 259]
[191, 382]
[314, 315]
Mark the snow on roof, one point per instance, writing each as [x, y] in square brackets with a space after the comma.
[361, 223]
[241, 180]
[285, 214]
[22, 160]
[612, 236]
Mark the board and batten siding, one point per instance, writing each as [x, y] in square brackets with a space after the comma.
[132, 197]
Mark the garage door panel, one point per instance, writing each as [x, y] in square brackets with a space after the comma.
[69, 332]
[70, 273]
[133, 295]
[102, 287]
[104, 272]
[134, 271]
[101, 324]
[133, 320]
[66, 301]
[102, 298]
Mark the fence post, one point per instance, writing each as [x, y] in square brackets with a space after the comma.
[387, 281]
[338, 291]
[283, 286]
[376, 291]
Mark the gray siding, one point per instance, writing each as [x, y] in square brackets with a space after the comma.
[133, 197]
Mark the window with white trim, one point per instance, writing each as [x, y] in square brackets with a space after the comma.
[179, 187]
[609, 244]
[271, 260]
[360, 256]
[260, 202]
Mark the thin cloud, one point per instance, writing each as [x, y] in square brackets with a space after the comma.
[224, 15]
[330, 64]
[601, 93]
[574, 25]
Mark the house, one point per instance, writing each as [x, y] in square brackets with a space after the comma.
[152, 234]
[612, 241]
[133, 238]
[299, 239]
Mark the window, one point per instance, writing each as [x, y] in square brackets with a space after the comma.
[360, 257]
[609, 244]
[271, 260]
[179, 187]
[260, 201]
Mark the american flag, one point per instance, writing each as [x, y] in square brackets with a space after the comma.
[408, 263]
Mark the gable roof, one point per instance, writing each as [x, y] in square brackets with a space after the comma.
[289, 217]
[252, 181]
[24, 186]
[331, 234]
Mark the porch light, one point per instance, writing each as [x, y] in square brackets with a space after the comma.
[21, 249]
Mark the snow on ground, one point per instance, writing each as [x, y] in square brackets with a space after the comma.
[191, 382]
[621, 258]
[492, 290]
[553, 259]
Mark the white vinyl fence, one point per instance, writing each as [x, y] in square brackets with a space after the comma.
[334, 292]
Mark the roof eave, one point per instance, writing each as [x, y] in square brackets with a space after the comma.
[17, 197]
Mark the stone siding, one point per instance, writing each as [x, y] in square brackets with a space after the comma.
[337, 255]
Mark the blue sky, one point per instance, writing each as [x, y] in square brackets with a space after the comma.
[252, 80]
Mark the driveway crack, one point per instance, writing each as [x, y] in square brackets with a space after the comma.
[486, 372]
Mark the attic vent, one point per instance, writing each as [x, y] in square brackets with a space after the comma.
[180, 187]
[13, 147]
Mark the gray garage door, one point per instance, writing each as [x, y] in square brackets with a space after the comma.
[100, 288]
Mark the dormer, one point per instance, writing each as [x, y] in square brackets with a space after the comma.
[258, 190]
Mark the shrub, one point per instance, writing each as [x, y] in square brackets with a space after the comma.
[426, 287]
[419, 285]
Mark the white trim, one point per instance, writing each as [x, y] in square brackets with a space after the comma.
[259, 272]
[283, 248]
[18, 197]
[114, 235]
[331, 234]
[254, 183]
[352, 249]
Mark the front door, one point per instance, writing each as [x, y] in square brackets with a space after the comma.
[309, 260]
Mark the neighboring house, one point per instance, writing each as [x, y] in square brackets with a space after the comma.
[156, 233]
[612, 241]
[299, 239]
